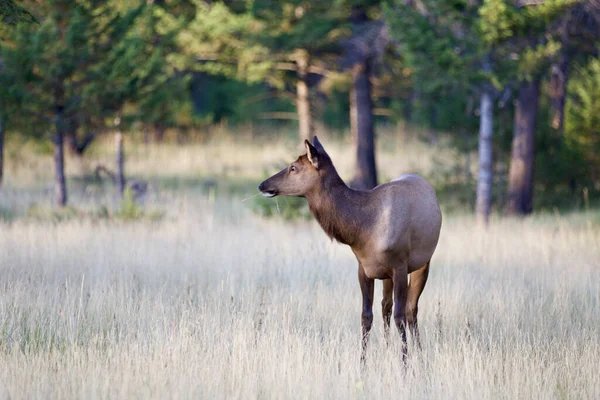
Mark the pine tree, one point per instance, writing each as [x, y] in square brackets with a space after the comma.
[161, 89]
[11, 14]
[81, 64]
[582, 122]
[302, 36]
[454, 47]
[480, 48]
[577, 30]
[279, 43]
[362, 51]
[535, 52]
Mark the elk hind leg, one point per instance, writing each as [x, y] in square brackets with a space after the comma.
[418, 279]
[400, 295]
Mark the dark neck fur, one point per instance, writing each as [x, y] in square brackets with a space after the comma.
[337, 208]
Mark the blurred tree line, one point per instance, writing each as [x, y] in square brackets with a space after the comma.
[516, 80]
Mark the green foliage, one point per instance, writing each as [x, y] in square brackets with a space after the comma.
[89, 62]
[260, 41]
[6, 214]
[582, 122]
[73, 63]
[218, 98]
[567, 163]
[41, 213]
[555, 163]
[447, 43]
[496, 21]
[444, 52]
[536, 59]
[93, 62]
[12, 13]
[314, 26]
[440, 45]
[288, 208]
[158, 97]
[216, 42]
[129, 210]
[531, 36]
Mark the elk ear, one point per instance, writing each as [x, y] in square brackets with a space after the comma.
[318, 145]
[312, 154]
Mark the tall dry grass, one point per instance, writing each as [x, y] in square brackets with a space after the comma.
[226, 154]
[225, 158]
[212, 302]
[204, 307]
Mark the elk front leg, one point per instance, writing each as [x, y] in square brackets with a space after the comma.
[400, 279]
[386, 307]
[367, 287]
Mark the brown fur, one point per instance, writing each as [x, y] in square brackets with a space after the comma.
[392, 229]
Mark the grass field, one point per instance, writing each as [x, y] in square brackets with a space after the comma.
[212, 301]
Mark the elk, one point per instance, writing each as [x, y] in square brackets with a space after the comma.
[392, 230]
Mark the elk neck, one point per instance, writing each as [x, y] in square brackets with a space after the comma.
[341, 211]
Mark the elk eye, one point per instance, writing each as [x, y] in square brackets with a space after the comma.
[292, 169]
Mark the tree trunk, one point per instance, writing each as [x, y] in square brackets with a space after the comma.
[501, 187]
[433, 115]
[1, 151]
[365, 174]
[558, 92]
[70, 137]
[407, 109]
[59, 160]
[353, 116]
[485, 175]
[120, 163]
[146, 135]
[159, 132]
[501, 174]
[520, 176]
[71, 141]
[303, 98]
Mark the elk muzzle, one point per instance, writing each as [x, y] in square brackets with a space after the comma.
[266, 190]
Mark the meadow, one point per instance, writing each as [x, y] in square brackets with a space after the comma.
[211, 300]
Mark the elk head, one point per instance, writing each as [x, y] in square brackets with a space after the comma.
[301, 176]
